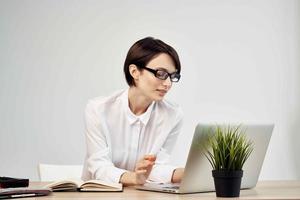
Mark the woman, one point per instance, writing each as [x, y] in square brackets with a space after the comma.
[130, 134]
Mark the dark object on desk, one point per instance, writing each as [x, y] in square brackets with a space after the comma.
[8, 182]
[23, 192]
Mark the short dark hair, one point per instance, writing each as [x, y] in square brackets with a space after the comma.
[144, 50]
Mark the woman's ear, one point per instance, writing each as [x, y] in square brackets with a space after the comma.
[134, 72]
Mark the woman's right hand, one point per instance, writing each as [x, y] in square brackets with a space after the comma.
[143, 169]
[141, 173]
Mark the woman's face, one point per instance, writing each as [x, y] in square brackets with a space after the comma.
[152, 87]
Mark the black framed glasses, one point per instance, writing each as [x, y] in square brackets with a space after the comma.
[163, 74]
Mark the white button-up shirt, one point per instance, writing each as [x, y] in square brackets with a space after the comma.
[116, 138]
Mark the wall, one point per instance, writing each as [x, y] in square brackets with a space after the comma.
[240, 63]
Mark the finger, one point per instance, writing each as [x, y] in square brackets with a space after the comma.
[145, 164]
[148, 162]
[150, 157]
[143, 167]
[140, 172]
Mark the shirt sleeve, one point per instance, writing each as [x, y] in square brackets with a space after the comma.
[98, 161]
[162, 171]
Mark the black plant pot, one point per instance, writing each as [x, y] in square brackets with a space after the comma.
[227, 183]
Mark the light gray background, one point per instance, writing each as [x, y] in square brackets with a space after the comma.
[240, 62]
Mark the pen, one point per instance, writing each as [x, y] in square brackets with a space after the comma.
[17, 196]
[22, 195]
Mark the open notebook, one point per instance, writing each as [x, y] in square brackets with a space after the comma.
[79, 185]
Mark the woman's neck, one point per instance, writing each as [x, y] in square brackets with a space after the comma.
[138, 103]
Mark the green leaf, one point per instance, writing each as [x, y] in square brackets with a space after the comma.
[228, 148]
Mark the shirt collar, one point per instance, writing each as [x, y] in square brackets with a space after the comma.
[132, 118]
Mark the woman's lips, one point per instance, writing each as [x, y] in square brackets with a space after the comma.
[162, 92]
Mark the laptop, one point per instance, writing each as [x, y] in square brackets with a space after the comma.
[198, 171]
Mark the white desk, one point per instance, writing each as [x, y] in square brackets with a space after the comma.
[263, 190]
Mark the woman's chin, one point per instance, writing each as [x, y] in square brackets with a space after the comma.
[158, 97]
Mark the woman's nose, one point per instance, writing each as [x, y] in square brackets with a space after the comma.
[167, 82]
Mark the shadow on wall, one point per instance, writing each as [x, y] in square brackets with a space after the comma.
[295, 138]
[295, 126]
[295, 118]
[294, 108]
[293, 123]
[296, 141]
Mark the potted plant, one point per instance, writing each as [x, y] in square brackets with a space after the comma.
[227, 150]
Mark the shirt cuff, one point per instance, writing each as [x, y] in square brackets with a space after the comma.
[162, 173]
[113, 175]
